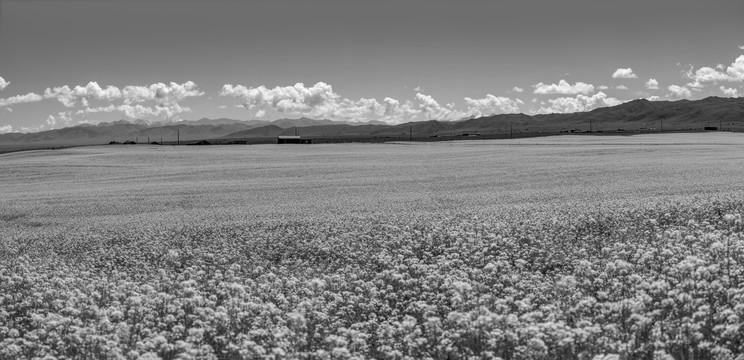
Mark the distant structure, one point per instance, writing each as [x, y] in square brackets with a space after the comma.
[292, 139]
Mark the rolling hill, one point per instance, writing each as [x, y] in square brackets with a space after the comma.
[629, 116]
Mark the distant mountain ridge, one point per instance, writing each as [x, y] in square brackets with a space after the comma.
[682, 114]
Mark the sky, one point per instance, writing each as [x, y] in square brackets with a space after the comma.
[71, 62]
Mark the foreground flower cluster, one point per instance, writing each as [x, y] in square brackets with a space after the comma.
[621, 282]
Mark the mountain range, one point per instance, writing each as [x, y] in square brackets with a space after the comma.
[629, 116]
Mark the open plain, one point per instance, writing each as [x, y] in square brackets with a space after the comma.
[559, 247]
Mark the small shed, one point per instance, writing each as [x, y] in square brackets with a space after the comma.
[292, 139]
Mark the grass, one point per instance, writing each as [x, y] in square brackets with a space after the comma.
[563, 247]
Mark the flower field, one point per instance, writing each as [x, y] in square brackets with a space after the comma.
[441, 251]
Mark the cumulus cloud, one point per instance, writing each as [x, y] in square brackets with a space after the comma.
[418, 88]
[741, 47]
[159, 92]
[729, 92]
[624, 74]
[621, 87]
[578, 103]
[316, 99]
[705, 74]
[603, 87]
[139, 111]
[517, 89]
[62, 118]
[69, 97]
[679, 91]
[653, 98]
[431, 109]
[321, 101]
[563, 87]
[652, 84]
[491, 105]
[166, 99]
[3, 83]
[20, 99]
[6, 129]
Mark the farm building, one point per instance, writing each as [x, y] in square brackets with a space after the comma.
[292, 139]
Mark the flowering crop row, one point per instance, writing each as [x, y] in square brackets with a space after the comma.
[635, 281]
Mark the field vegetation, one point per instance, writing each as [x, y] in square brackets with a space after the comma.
[554, 248]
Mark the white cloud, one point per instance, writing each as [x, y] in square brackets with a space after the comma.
[680, 91]
[418, 89]
[320, 101]
[222, 106]
[9, 109]
[729, 92]
[6, 129]
[166, 95]
[603, 87]
[69, 97]
[741, 47]
[652, 84]
[491, 105]
[705, 74]
[517, 89]
[162, 93]
[431, 109]
[653, 98]
[62, 118]
[621, 87]
[624, 74]
[20, 99]
[139, 111]
[563, 87]
[167, 98]
[579, 103]
[316, 99]
[3, 83]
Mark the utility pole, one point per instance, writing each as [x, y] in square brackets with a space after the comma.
[178, 136]
[148, 140]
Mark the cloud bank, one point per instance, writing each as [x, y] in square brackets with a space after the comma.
[164, 100]
[3, 83]
[563, 87]
[321, 101]
[578, 103]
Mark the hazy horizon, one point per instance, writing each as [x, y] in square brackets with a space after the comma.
[65, 63]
